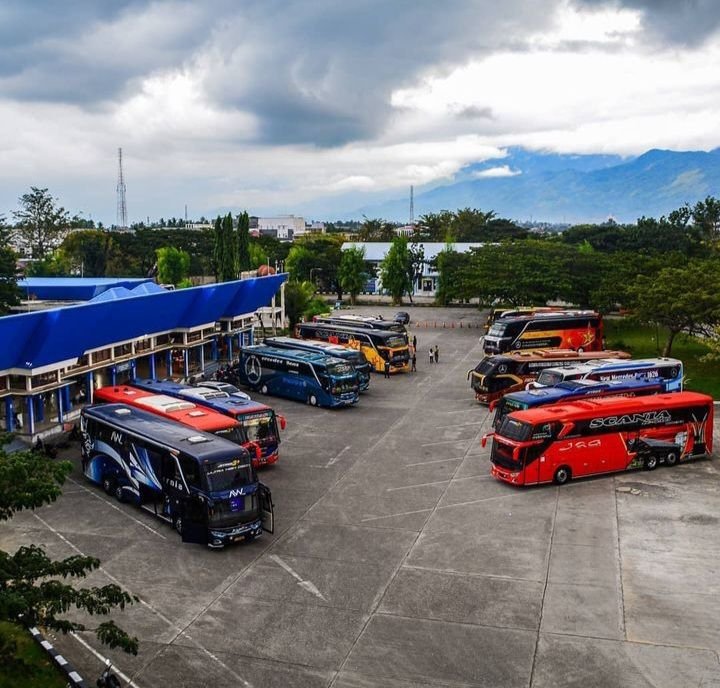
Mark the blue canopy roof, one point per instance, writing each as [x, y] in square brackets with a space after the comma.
[41, 338]
[75, 288]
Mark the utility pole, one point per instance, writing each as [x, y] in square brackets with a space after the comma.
[122, 222]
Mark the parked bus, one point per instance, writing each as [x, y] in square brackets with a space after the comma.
[510, 312]
[183, 411]
[667, 371]
[202, 484]
[578, 330]
[362, 322]
[317, 379]
[352, 356]
[571, 391]
[377, 345]
[497, 375]
[564, 441]
[258, 422]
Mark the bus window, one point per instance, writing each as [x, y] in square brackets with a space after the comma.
[190, 471]
[228, 475]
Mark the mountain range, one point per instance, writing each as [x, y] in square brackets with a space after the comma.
[547, 187]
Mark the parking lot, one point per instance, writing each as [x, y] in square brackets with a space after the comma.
[397, 560]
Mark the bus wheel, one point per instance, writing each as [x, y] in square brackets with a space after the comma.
[651, 462]
[562, 475]
[108, 484]
[118, 492]
[177, 522]
[312, 400]
[671, 459]
[264, 389]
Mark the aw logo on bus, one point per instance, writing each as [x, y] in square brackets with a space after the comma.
[648, 418]
[253, 369]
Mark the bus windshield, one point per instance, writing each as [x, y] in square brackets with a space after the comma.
[515, 430]
[228, 475]
[259, 429]
[549, 378]
[485, 366]
[339, 369]
[497, 330]
[396, 342]
[234, 434]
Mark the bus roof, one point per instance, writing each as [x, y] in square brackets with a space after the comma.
[186, 412]
[309, 344]
[549, 315]
[589, 408]
[548, 395]
[610, 365]
[292, 354]
[201, 445]
[560, 355]
[355, 331]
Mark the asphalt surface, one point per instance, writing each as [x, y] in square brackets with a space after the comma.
[398, 561]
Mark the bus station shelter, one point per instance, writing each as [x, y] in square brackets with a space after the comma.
[52, 360]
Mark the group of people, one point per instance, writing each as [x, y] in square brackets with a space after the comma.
[434, 353]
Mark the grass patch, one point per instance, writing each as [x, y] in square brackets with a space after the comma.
[44, 673]
[641, 342]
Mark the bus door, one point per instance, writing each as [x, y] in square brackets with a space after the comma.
[267, 512]
[194, 525]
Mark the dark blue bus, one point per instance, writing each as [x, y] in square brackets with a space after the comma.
[353, 356]
[204, 485]
[316, 379]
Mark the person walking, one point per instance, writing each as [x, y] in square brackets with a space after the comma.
[432, 354]
[414, 362]
[437, 354]
[414, 342]
[386, 368]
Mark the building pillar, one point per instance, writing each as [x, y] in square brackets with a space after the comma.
[113, 376]
[60, 405]
[282, 305]
[168, 362]
[214, 348]
[133, 369]
[65, 394]
[41, 408]
[89, 387]
[152, 366]
[274, 319]
[30, 404]
[202, 358]
[9, 414]
[230, 351]
[186, 363]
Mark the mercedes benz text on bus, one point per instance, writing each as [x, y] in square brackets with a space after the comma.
[353, 356]
[571, 391]
[578, 330]
[202, 484]
[580, 438]
[258, 422]
[667, 371]
[497, 375]
[314, 378]
[377, 345]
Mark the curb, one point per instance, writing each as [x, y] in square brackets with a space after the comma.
[74, 679]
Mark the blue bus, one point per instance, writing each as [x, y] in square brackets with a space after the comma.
[572, 390]
[667, 371]
[204, 485]
[258, 422]
[314, 378]
[353, 356]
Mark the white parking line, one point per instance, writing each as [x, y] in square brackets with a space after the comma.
[410, 487]
[304, 584]
[402, 513]
[115, 670]
[425, 463]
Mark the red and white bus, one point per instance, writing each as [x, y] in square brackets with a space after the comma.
[185, 412]
[563, 441]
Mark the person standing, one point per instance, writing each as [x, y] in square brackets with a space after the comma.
[437, 354]
[414, 362]
[414, 342]
[432, 354]
[386, 368]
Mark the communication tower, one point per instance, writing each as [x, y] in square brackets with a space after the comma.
[412, 205]
[122, 221]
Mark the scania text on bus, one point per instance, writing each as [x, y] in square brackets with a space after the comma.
[505, 373]
[355, 357]
[314, 378]
[202, 484]
[258, 422]
[378, 346]
[581, 438]
[578, 330]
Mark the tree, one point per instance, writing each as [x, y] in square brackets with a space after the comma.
[9, 292]
[396, 268]
[300, 301]
[681, 299]
[225, 251]
[32, 586]
[89, 251]
[41, 223]
[352, 273]
[706, 218]
[243, 232]
[376, 230]
[173, 265]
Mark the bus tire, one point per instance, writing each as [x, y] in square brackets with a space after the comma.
[108, 484]
[671, 458]
[651, 462]
[118, 492]
[178, 525]
[264, 389]
[562, 475]
[312, 400]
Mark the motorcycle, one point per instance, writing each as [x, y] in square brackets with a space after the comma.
[107, 678]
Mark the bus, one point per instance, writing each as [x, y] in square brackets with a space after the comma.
[362, 322]
[578, 330]
[497, 375]
[570, 391]
[258, 422]
[667, 371]
[571, 440]
[377, 345]
[316, 379]
[353, 356]
[180, 410]
[203, 485]
[510, 312]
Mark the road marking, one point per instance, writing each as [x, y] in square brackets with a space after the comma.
[305, 584]
[455, 425]
[425, 463]
[409, 487]
[115, 670]
[117, 508]
[431, 444]
[335, 459]
[402, 513]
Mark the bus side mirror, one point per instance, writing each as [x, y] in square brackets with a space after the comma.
[493, 404]
[254, 446]
[485, 438]
[516, 454]
[283, 422]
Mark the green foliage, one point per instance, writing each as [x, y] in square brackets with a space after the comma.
[352, 272]
[9, 291]
[243, 232]
[173, 265]
[316, 258]
[24, 663]
[52, 265]
[257, 256]
[376, 230]
[467, 224]
[40, 222]
[225, 251]
[301, 302]
[89, 252]
[396, 268]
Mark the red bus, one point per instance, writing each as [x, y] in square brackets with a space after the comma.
[563, 441]
[185, 412]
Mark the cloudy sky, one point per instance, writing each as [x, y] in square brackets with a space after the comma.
[279, 106]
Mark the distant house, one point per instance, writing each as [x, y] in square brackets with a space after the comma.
[426, 282]
[282, 227]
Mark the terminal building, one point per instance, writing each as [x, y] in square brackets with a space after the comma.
[94, 332]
